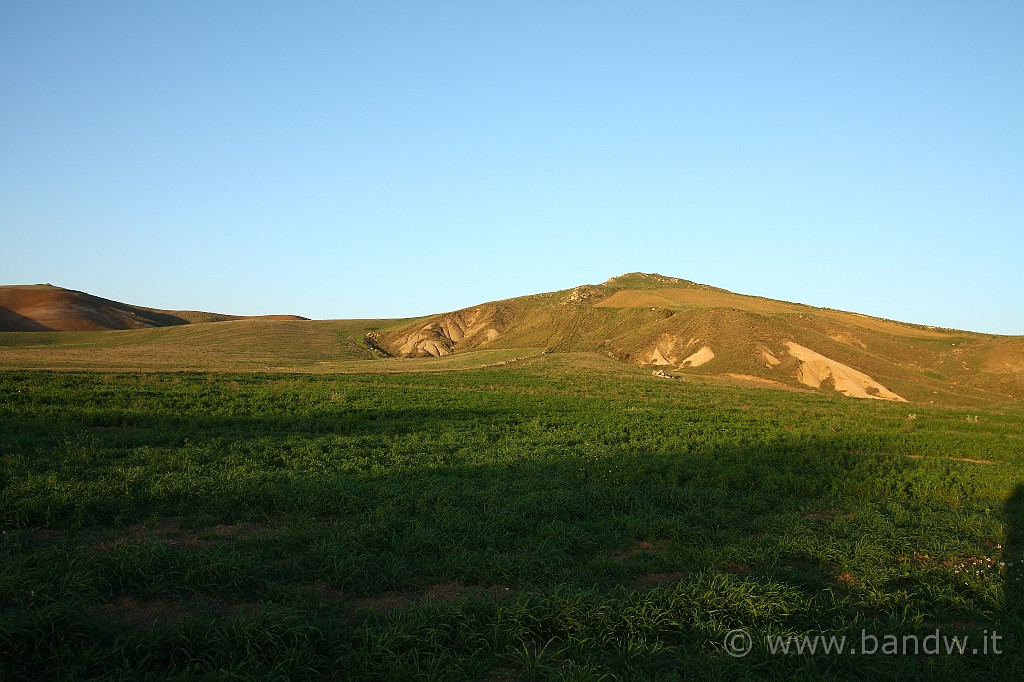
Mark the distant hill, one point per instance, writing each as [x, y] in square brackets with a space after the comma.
[43, 307]
[671, 328]
[677, 328]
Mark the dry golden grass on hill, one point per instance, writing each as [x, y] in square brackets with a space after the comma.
[662, 322]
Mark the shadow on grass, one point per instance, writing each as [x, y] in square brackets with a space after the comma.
[1012, 622]
[754, 537]
[623, 561]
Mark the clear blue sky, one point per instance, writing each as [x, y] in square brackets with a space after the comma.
[380, 159]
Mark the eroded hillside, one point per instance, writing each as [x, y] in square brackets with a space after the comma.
[681, 327]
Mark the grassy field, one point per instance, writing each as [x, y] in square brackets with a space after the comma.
[266, 346]
[238, 345]
[562, 516]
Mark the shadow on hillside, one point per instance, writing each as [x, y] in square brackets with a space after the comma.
[11, 321]
[1012, 625]
[157, 318]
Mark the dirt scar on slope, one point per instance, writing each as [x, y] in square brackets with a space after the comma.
[703, 356]
[815, 367]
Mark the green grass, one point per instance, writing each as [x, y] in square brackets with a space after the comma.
[273, 346]
[560, 517]
[240, 345]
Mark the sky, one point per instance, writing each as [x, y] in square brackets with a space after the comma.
[393, 159]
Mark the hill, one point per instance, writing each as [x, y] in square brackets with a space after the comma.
[43, 307]
[649, 324]
[679, 328]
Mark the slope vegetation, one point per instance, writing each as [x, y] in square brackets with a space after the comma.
[235, 345]
[674, 328]
[674, 325]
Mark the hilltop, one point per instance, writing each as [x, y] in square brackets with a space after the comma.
[44, 307]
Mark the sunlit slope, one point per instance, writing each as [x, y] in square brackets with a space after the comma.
[680, 328]
[43, 307]
[671, 327]
[241, 345]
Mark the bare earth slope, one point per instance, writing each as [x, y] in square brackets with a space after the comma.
[43, 307]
